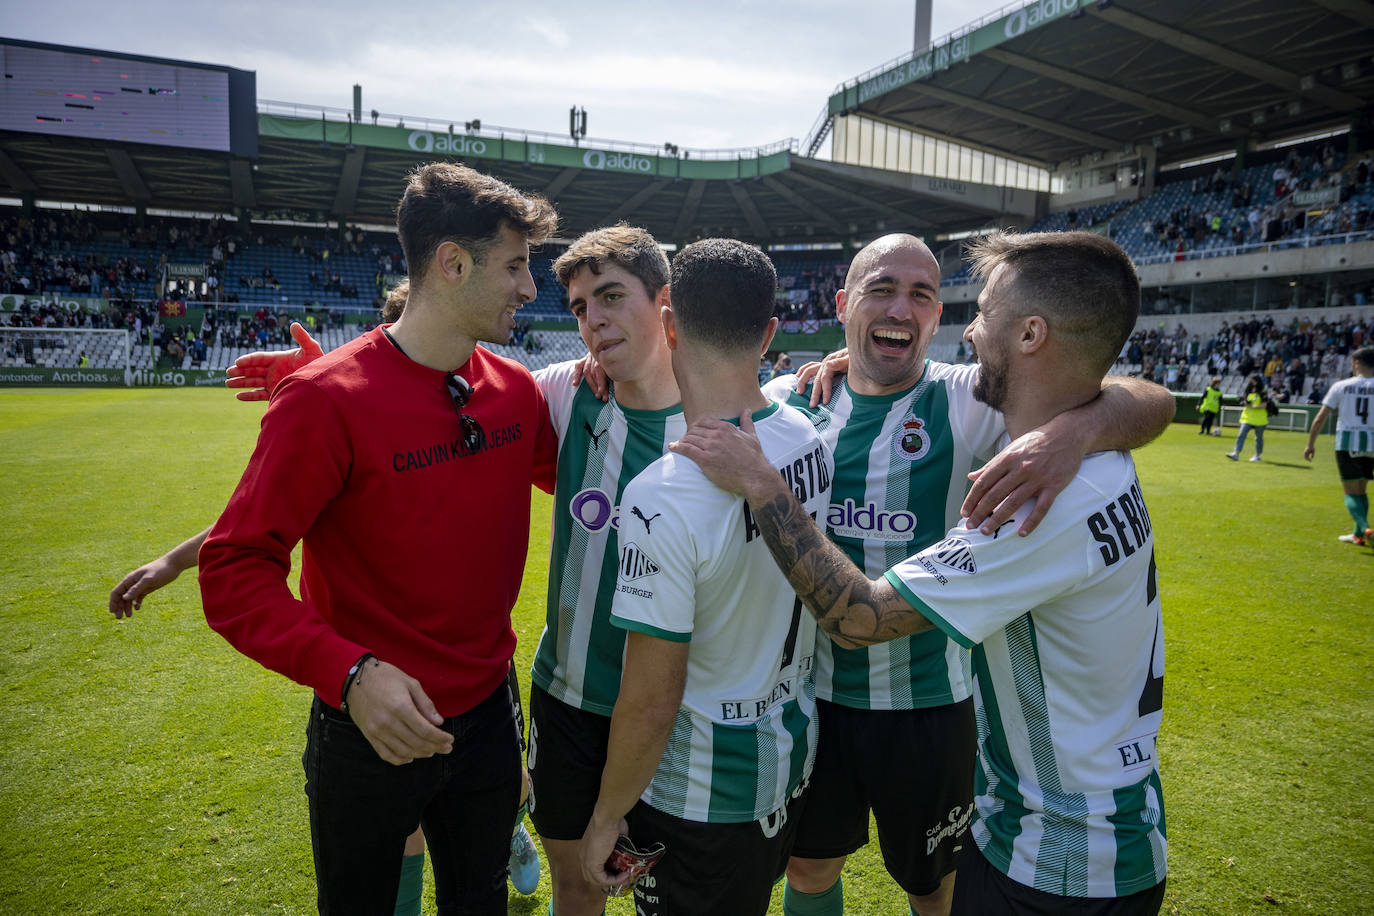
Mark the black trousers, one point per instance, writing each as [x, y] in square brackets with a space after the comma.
[363, 808]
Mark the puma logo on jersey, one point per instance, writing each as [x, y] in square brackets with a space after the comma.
[634, 510]
[596, 436]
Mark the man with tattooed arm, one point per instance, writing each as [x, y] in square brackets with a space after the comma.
[1064, 621]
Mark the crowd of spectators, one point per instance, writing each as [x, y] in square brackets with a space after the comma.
[382, 249]
[174, 339]
[1288, 355]
[1248, 222]
[43, 313]
[52, 254]
[37, 255]
[810, 292]
[53, 251]
[523, 336]
[1323, 170]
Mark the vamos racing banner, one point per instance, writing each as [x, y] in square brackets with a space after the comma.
[922, 66]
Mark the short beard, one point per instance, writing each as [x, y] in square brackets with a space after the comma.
[991, 387]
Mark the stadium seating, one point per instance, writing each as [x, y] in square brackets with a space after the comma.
[73, 241]
[291, 270]
[810, 279]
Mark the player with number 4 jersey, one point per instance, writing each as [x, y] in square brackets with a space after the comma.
[905, 432]
[1068, 652]
[1352, 401]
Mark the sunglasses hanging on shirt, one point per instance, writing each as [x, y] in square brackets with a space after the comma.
[461, 392]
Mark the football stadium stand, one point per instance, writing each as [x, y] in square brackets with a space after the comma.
[1252, 202]
[248, 287]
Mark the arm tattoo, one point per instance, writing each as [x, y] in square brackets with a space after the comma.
[851, 608]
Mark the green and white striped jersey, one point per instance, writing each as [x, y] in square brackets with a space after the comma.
[602, 446]
[901, 462]
[1068, 658]
[693, 567]
[1352, 400]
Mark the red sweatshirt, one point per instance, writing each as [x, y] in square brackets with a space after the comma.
[413, 548]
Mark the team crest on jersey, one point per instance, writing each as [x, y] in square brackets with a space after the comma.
[911, 441]
[954, 553]
[635, 563]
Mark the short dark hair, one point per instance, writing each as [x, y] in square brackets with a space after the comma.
[396, 301]
[1084, 284]
[1364, 355]
[630, 248]
[722, 293]
[448, 202]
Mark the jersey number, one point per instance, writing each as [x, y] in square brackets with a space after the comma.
[789, 648]
[1362, 410]
[1152, 696]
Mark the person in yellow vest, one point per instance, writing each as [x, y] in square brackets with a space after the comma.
[84, 362]
[1210, 407]
[1254, 416]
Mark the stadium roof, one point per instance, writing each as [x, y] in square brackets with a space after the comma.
[326, 168]
[1055, 80]
[1048, 82]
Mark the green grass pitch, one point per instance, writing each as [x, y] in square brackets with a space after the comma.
[148, 768]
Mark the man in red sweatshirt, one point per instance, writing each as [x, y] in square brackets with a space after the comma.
[403, 460]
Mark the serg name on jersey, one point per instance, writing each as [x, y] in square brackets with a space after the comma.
[1122, 526]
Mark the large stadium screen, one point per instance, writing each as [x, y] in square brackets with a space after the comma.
[74, 92]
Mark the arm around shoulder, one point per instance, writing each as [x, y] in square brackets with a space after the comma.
[850, 608]
[1128, 414]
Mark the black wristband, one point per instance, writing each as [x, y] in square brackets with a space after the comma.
[350, 678]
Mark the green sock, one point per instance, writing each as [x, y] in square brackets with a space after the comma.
[1358, 507]
[826, 903]
[412, 886]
